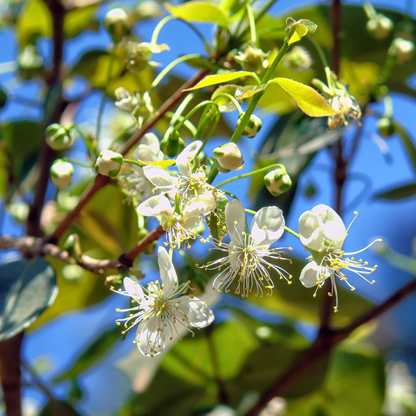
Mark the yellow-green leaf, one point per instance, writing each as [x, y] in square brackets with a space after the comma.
[224, 102]
[296, 30]
[34, 21]
[248, 91]
[222, 79]
[308, 100]
[199, 11]
[78, 20]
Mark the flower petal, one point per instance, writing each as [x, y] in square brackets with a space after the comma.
[201, 205]
[198, 312]
[156, 205]
[151, 140]
[167, 273]
[158, 176]
[311, 231]
[150, 341]
[267, 226]
[333, 226]
[134, 289]
[184, 159]
[235, 218]
[312, 274]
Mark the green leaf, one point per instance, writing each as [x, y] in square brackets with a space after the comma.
[199, 11]
[222, 79]
[408, 264]
[27, 288]
[401, 192]
[216, 220]
[248, 91]
[308, 100]
[225, 104]
[78, 20]
[92, 355]
[58, 408]
[407, 142]
[34, 21]
[296, 30]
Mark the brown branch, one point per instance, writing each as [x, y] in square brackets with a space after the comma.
[100, 181]
[33, 247]
[324, 343]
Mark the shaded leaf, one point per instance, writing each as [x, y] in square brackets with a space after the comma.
[309, 101]
[58, 408]
[222, 79]
[78, 20]
[401, 192]
[199, 11]
[216, 220]
[27, 288]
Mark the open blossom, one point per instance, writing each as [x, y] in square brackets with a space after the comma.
[191, 180]
[246, 254]
[178, 220]
[161, 308]
[323, 232]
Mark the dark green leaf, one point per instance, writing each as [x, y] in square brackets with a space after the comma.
[58, 408]
[401, 192]
[27, 288]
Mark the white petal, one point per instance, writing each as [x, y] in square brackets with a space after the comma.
[134, 289]
[158, 176]
[151, 140]
[333, 226]
[235, 218]
[150, 341]
[197, 311]
[192, 222]
[156, 205]
[312, 274]
[201, 205]
[272, 219]
[185, 157]
[145, 154]
[311, 231]
[167, 273]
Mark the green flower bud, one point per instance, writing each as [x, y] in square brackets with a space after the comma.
[402, 49]
[29, 62]
[59, 137]
[253, 125]
[19, 211]
[228, 157]
[73, 246]
[278, 181]
[380, 26]
[61, 173]
[298, 59]
[251, 58]
[115, 22]
[172, 144]
[108, 163]
[3, 98]
[385, 127]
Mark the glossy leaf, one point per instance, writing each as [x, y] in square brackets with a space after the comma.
[199, 11]
[248, 91]
[309, 100]
[401, 192]
[27, 288]
[221, 79]
[34, 21]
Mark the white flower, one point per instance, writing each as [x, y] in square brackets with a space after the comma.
[161, 308]
[180, 219]
[191, 180]
[323, 233]
[247, 252]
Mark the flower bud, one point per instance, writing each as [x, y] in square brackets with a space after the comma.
[385, 127]
[139, 55]
[228, 157]
[380, 26]
[19, 211]
[149, 9]
[61, 173]
[251, 58]
[278, 181]
[73, 246]
[115, 22]
[29, 62]
[172, 144]
[59, 137]
[298, 59]
[402, 49]
[108, 163]
[252, 127]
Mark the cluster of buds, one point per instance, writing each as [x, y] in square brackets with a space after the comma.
[278, 181]
[378, 25]
[298, 59]
[251, 58]
[138, 57]
[228, 157]
[59, 137]
[252, 127]
[340, 99]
